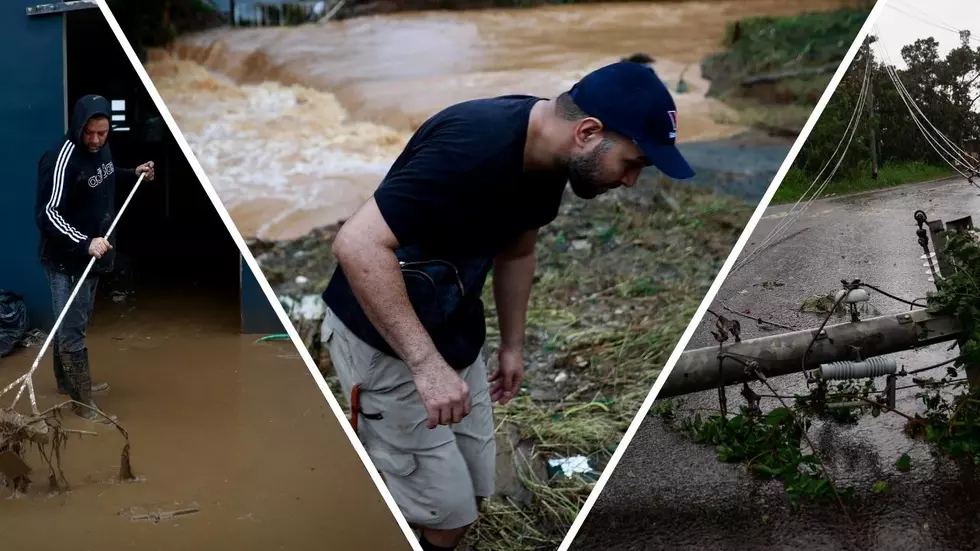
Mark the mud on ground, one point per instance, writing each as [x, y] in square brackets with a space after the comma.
[617, 281]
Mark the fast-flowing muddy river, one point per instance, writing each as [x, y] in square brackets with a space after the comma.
[296, 126]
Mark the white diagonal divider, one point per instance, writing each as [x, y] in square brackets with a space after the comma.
[722, 275]
[257, 272]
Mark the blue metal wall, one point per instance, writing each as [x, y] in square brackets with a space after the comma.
[257, 314]
[32, 111]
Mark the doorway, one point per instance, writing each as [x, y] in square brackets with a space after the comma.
[173, 252]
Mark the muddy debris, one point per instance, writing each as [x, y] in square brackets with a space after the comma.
[45, 434]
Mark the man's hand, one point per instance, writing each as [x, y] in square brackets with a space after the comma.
[146, 167]
[445, 395]
[365, 249]
[506, 382]
[98, 247]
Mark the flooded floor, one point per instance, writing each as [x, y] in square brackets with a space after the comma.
[233, 432]
[297, 126]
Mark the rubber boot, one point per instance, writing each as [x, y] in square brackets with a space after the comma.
[77, 369]
[61, 378]
[59, 369]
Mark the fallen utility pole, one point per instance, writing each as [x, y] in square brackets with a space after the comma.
[699, 370]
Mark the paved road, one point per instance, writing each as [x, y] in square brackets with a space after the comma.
[742, 165]
[668, 493]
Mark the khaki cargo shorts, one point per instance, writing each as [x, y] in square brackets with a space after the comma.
[434, 475]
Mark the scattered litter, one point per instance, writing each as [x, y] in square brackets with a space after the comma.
[308, 307]
[277, 337]
[302, 280]
[569, 467]
[561, 377]
[581, 244]
[34, 338]
[140, 513]
[13, 321]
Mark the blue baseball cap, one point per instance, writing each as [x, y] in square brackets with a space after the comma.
[630, 99]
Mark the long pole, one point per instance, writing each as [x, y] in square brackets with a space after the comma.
[699, 370]
[873, 143]
[27, 380]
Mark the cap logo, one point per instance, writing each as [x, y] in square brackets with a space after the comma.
[673, 123]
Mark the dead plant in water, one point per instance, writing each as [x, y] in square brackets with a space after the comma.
[46, 433]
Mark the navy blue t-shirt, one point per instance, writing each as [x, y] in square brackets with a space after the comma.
[456, 197]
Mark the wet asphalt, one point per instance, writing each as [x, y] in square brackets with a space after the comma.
[740, 166]
[669, 493]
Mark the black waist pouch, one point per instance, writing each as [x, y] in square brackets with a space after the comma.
[435, 290]
[446, 297]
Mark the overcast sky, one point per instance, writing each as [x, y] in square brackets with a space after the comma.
[904, 21]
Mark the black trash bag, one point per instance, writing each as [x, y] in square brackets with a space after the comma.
[13, 321]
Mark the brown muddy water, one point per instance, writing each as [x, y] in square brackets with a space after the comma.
[234, 431]
[297, 126]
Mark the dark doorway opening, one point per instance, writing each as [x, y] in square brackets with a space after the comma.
[172, 248]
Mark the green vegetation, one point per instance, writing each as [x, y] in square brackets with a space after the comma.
[616, 285]
[944, 87]
[783, 63]
[797, 182]
[953, 423]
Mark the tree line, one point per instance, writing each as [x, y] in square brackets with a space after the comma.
[944, 87]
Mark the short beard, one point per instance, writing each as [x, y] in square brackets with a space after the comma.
[584, 170]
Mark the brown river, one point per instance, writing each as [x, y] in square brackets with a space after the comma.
[296, 126]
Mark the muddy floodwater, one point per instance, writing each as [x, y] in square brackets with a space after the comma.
[296, 126]
[233, 445]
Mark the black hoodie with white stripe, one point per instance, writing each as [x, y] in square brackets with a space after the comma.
[76, 193]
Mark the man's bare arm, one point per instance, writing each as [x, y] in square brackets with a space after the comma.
[513, 274]
[365, 248]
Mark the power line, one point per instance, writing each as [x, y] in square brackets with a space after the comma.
[927, 18]
[912, 106]
[794, 215]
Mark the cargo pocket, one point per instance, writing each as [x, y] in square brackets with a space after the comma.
[393, 462]
[338, 351]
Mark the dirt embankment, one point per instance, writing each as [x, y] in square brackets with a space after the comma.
[773, 70]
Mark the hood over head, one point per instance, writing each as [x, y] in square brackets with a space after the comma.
[85, 108]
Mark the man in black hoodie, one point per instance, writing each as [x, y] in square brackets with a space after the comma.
[76, 194]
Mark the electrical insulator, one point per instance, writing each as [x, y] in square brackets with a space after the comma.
[854, 296]
[872, 367]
